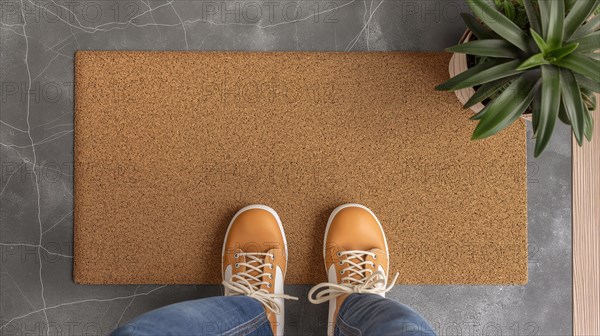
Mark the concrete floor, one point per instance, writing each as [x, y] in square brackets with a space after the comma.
[37, 41]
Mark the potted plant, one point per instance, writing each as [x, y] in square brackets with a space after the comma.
[536, 58]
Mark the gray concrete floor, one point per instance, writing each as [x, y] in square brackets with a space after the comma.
[37, 41]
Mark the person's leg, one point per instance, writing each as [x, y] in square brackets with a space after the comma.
[254, 263]
[221, 315]
[357, 264]
[255, 260]
[371, 314]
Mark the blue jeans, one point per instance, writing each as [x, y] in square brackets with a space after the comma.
[360, 314]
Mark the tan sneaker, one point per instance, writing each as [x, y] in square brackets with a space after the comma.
[356, 258]
[255, 260]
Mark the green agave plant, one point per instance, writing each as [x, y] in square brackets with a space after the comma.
[550, 71]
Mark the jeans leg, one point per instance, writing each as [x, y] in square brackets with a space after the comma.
[220, 315]
[370, 314]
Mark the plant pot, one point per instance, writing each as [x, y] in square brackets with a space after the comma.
[458, 64]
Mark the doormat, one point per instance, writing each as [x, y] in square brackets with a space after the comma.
[169, 145]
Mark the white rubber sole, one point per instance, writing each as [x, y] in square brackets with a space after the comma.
[262, 207]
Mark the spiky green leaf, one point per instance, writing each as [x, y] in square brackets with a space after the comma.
[544, 6]
[589, 98]
[506, 108]
[493, 48]
[479, 114]
[589, 125]
[539, 41]
[591, 26]
[594, 56]
[581, 64]
[500, 23]
[509, 10]
[535, 111]
[477, 28]
[480, 75]
[554, 38]
[532, 16]
[465, 75]
[561, 52]
[589, 43]
[550, 104]
[533, 61]
[486, 90]
[580, 12]
[562, 115]
[571, 98]
[587, 83]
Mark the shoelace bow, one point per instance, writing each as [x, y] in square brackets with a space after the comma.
[244, 283]
[367, 281]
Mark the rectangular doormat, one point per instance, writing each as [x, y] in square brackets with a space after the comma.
[169, 145]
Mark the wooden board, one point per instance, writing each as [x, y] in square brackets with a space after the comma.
[586, 234]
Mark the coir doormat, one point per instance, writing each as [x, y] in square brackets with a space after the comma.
[169, 145]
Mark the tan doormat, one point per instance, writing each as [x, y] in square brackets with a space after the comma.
[169, 145]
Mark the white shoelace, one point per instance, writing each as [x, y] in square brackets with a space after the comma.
[366, 281]
[244, 283]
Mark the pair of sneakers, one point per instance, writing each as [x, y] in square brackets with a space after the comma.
[255, 255]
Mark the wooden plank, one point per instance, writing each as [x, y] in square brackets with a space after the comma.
[586, 234]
